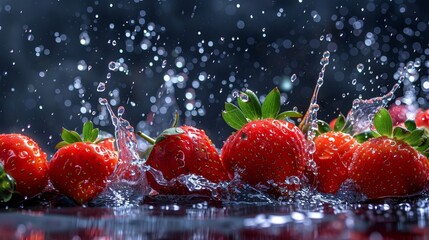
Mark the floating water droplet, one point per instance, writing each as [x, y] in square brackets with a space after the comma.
[326, 54]
[84, 39]
[324, 61]
[81, 65]
[103, 101]
[360, 67]
[113, 66]
[354, 81]
[121, 111]
[101, 87]
[293, 77]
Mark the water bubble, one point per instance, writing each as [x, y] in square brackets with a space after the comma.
[354, 81]
[360, 67]
[101, 87]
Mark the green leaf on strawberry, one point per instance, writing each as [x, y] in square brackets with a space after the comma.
[415, 137]
[89, 134]
[250, 108]
[393, 162]
[82, 165]
[266, 150]
[7, 185]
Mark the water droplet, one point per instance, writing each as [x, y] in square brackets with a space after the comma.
[113, 66]
[244, 97]
[354, 81]
[243, 136]
[121, 111]
[326, 54]
[84, 39]
[101, 87]
[103, 101]
[293, 77]
[324, 61]
[360, 67]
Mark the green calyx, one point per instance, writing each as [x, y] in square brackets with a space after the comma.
[418, 138]
[173, 130]
[250, 109]
[7, 185]
[89, 134]
[341, 125]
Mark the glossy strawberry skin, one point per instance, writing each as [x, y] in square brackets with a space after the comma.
[266, 151]
[81, 170]
[422, 118]
[187, 152]
[108, 143]
[25, 161]
[333, 156]
[384, 167]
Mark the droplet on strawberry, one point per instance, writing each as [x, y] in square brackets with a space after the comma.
[266, 151]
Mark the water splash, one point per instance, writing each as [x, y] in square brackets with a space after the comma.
[128, 185]
[309, 123]
[361, 115]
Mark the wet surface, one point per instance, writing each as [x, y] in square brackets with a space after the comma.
[199, 218]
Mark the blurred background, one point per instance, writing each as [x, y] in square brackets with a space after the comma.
[57, 58]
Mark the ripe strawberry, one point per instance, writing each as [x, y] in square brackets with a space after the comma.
[22, 162]
[398, 113]
[81, 168]
[182, 151]
[394, 162]
[266, 151]
[333, 155]
[422, 118]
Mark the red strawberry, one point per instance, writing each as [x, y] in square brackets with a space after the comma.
[267, 152]
[181, 151]
[398, 113]
[422, 118]
[332, 156]
[392, 164]
[24, 161]
[81, 168]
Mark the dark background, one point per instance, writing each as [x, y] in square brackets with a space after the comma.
[202, 51]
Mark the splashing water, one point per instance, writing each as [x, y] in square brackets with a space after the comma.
[360, 117]
[408, 74]
[128, 184]
[309, 122]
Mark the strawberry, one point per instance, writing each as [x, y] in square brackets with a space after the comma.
[80, 169]
[179, 151]
[422, 118]
[333, 155]
[22, 163]
[393, 163]
[266, 151]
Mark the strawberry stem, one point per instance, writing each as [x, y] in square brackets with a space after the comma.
[146, 137]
